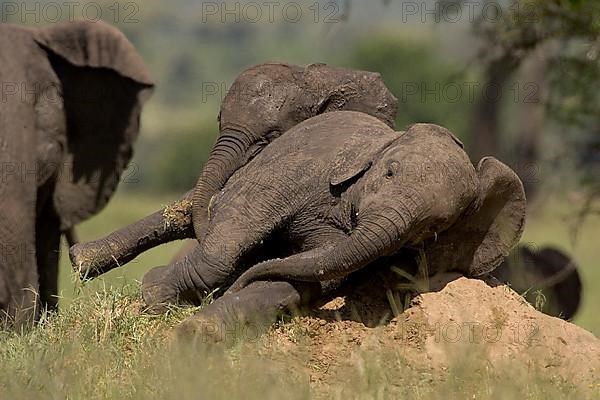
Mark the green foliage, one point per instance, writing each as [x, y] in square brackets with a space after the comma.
[428, 87]
[180, 157]
[570, 32]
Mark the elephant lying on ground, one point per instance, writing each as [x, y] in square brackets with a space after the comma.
[548, 270]
[333, 195]
[72, 95]
[525, 270]
[264, 102]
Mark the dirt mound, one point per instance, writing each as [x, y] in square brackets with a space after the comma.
[459, 321]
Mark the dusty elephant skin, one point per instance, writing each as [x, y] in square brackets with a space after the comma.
[336, 206]
[72, 98]
[264, 102]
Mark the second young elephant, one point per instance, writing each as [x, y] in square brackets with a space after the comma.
[313, 208]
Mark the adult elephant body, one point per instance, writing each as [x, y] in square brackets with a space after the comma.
[71, 100]
[339, 192]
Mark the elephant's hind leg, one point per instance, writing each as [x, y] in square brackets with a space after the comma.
[213, 264]
[235, 232]
[185, 281]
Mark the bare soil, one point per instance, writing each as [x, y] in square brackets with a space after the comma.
[458, 321]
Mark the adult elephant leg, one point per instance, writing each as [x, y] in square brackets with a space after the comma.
[173, 222]
[47, 243]
[19, 281]
[248, 313]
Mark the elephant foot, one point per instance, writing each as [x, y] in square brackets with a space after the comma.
[201, 329]
[90, 259]
[158, 290]
[244, 315]
[212, 328]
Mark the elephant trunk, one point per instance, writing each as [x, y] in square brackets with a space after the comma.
[231, 151]
[380, 231]
[173, 222]
[378, 234]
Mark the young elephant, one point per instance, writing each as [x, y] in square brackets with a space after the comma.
[264, 102]
[72, 94]
[335, 205]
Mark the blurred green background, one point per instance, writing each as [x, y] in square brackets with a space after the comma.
[437, 66]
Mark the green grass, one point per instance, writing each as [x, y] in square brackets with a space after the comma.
[103, 346]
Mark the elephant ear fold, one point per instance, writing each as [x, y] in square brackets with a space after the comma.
[104, 84]
[493, 224]
[352, 161]
[349, 172]
[94, 45]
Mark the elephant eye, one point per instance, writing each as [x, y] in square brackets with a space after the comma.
[392, 168]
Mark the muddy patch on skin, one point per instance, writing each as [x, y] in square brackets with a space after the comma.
[178, 214]
[481, 324]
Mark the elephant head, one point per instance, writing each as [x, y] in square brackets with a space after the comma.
[407, 191]
[467, 220]
[103, 85]
[269, 99]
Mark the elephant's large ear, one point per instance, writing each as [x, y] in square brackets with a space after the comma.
[104, 83]
[489, 229]
[352, 161]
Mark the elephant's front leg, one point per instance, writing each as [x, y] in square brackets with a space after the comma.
[249, 312]
[174, 222]
[19, 287]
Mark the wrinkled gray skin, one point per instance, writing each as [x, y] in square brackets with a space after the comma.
[72, 94]
[269, 99]
[549, 271]
[263, 102]
[312, 209]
